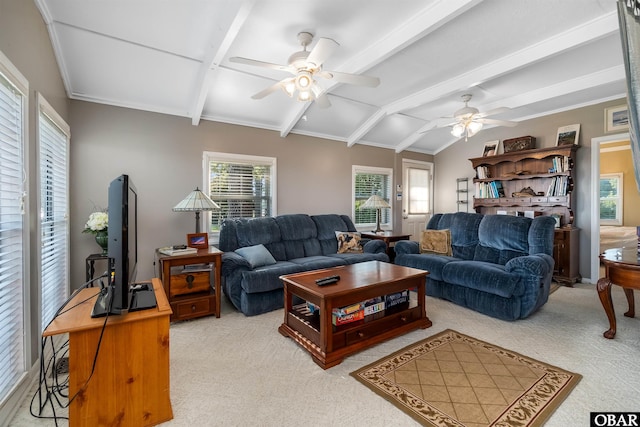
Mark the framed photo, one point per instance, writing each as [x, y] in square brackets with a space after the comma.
[490, 148]
[616, 118]
[568, 135]
[198, 240]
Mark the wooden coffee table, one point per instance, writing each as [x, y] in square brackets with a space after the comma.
[328, 344]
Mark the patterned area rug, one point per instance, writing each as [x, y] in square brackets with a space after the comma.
[451, 379]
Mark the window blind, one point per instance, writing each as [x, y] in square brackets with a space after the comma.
[242, 189]
[12, 223]
[367, 182]
[54, 257]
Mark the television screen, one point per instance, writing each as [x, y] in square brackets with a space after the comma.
[123, 247]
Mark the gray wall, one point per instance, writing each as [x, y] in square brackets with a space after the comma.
[163, 156]
[453, 163]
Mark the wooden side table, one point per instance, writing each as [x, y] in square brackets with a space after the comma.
[189, 292]
[622, 268]
[388, 237]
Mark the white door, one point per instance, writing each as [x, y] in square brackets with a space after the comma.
[417, 196]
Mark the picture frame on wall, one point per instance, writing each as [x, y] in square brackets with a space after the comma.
[198, 240]
[490, 148]
[568, 135]
[616, 118]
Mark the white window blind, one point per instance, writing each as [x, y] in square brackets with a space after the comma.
[243, 186]
[368, 181]
[53, 142]
[12, 227]
[418, 191]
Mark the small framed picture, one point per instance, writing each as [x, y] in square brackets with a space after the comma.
[490, 148]
[616, 118]
[198, 240]
[568, 135]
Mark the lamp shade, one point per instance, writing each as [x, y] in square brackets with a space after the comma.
[375, 202]
[196, 201]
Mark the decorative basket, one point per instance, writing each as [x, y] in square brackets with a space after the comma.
[519, 144]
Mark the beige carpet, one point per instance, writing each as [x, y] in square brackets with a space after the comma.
[454, 379]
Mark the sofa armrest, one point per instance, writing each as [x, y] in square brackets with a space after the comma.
[539, 265]
[403, 247]
[375, 247]
[232, 261]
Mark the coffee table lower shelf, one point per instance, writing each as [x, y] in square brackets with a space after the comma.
[347, 340]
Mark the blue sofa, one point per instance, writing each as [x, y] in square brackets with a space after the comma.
[500, 265]
[295, 243]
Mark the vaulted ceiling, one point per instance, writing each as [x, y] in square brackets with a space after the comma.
[535, 57]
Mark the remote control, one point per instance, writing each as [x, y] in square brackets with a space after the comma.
[327, 280]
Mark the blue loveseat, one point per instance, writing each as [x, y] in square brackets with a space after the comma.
[295, 243]
[500, 265]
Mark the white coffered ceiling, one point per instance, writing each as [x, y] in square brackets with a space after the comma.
[172, 56]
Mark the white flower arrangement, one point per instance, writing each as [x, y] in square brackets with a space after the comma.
[98, 221]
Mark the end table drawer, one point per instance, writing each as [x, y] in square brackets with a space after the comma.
[193, 307]
[186, 283]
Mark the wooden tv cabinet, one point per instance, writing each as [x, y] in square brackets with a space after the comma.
[130, 384]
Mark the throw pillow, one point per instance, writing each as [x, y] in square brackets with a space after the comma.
[436, 242]
[348, 242]
[257, 255]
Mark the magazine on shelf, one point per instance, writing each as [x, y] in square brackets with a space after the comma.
[169, 250]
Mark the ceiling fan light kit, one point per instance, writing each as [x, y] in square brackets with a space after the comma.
[470, 121]
[304, 65]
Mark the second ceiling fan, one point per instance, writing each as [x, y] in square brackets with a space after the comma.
[305, 66]
[468, 121]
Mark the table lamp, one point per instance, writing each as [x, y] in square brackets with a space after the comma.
[196, 201]
[376, 202]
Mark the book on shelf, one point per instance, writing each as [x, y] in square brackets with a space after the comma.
[169, 250]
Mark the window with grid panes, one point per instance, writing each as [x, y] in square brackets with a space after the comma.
[243, 186]
[53, 150]
[13, 226]
[611, 198]
[368, 181]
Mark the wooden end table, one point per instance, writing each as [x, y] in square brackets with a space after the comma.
[189, 292]
[388, 237]
[328, 344]
[622, 268]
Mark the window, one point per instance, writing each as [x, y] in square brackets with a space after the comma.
[368, 181]
[418, 183]
[13, 226]
[243, 186]
[611, 199]
[53, 152]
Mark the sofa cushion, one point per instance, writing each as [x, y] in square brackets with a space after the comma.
[436, 242]
[327, 225]
[267, 278]
[299, 235]
[353, 258]
[464, 231]
[256, 255]
[349, 241]
[318, 262]
[429, 262]
[502, 238]
[483, 276]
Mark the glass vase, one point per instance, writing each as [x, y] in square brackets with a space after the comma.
[102, 239]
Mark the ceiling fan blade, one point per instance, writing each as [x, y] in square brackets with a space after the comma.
[322, 50]
[323, 101]
[494, 111]
[498, 122]
[352, 79]
[262, 64]
[271, 89]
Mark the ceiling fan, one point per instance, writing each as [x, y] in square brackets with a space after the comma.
[304, 66]
[469, 120]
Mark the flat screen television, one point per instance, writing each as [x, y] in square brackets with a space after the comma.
[123, 247]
